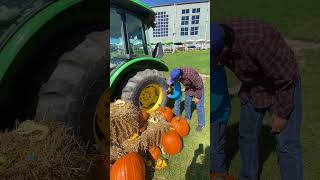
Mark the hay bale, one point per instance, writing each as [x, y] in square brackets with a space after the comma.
[157, 125]
[124, 125]
[43, 150]
[123, 121]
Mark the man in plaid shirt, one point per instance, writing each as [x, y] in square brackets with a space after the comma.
[268, 70]
[194, 88]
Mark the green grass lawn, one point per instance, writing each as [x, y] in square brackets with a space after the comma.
[295, 18]
[198, 60]
[193, 161]
[310, 74]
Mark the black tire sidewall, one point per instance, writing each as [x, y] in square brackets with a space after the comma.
[148, 80]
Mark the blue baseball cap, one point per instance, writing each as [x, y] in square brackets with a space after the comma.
[174, 76]
[217, 39]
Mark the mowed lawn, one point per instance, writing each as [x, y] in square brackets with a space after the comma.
[193, 161]
[295, 18]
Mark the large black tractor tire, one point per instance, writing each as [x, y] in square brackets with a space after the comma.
[76, 85]
[142, 79]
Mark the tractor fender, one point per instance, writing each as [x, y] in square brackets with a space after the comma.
[27, 30]
[124, 71]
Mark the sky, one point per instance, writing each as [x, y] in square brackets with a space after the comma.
[160, 2]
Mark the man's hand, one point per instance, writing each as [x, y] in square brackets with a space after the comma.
[196, 100]
[278, 124]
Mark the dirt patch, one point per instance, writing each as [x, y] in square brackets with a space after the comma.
[204, 77]
[298, 46]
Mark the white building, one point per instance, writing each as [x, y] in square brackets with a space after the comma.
[182, 23]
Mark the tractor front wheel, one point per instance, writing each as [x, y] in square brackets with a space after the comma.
[146, 89]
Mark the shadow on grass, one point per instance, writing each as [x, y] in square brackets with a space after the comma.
[267, 145]
[150, 172]
[199, 170]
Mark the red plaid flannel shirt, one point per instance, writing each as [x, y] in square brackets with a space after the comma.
[192, 81]
[265, 64]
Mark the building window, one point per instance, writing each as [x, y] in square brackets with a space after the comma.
[195, 19]
[184, 20]
[194, 31]
[184, 31]
[185, 11]
[161, 21]
[196, 10]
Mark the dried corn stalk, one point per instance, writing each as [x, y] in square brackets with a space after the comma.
[156, 126]
[123, 121]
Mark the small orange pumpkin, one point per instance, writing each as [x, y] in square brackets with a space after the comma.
[129, 167]
[181, 125]
[166, 112]
[171, 142]
[143, 116]
[155, 152]
[142, 129]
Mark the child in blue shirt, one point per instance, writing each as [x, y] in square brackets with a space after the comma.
[176, 95]
[220, 113]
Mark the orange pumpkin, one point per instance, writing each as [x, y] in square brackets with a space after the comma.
[155, 152]
[129, 167]
[142, 129]
[143, 116]
[171, 142]
[181, 125]
[166, 112]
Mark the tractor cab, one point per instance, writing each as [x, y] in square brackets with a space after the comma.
[129, 37]
[136, 71]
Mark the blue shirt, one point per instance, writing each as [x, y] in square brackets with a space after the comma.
[177, 93]
[219, 98]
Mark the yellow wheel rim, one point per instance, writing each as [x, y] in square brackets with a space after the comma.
[151, 97]
[101, 118]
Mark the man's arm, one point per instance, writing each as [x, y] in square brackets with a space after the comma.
[197, 83]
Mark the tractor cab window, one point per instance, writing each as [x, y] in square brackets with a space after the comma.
[117, 43]
[149, 45]
[136, 38]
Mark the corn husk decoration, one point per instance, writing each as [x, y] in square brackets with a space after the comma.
[123, 121]
[124, 134]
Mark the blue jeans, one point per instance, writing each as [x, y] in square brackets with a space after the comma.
[177, 107]
[288, 141]
[217, 143]
[200, 108]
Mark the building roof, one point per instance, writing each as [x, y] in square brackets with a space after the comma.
[177, 2]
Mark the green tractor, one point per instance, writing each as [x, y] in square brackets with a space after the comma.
[53, 64]
[55, 60]
[136, 71]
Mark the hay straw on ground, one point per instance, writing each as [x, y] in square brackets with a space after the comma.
[43, 150]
